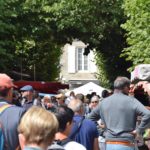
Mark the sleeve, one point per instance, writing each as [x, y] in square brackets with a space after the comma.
[95, 130]
[95, 114]
[142, 111]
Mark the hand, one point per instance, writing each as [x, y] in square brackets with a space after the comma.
[134, 133]
[137, 136]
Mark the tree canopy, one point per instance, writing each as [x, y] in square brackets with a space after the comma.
[96, 23]
[28, 39]
[138, 31]
[32, 33]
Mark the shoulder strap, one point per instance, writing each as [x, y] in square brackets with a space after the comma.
[79, 124]
[55, 146]
[63, 142]
[3, 107]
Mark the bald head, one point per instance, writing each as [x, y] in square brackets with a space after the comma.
[76, 105]
[121, 82]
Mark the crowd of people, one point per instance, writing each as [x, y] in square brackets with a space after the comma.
[78, 122]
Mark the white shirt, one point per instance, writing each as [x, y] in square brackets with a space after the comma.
[74, 146]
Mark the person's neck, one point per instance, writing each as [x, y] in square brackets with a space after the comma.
[60, 136]
[78, 113]
[30, 98]
[4, 98]
[120, 91]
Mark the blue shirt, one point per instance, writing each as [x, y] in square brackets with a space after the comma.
[87, 133]
[10, 118]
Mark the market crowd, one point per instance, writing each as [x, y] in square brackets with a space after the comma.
[115, 120]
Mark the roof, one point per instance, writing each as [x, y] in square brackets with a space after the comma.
[88, 89]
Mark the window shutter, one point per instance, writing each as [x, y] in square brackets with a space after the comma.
[92, 64]
[71, 59]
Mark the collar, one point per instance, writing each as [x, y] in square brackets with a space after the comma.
[78, 117]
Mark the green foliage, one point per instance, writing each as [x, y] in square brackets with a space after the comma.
[91, 20]
[36, 29]
[138, 31]
[102, 73]
[28, 39]
[97, 23]
[7, 29]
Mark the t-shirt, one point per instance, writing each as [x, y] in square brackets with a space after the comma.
[87, 132]
[10, 119]
[74, 146]
[66, 145]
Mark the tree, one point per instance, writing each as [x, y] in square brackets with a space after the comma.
[27, 38]
[7, 30]
[97, 23]
[42, 27]
[138, 31]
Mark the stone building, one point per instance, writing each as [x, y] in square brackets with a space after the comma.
[77, 69]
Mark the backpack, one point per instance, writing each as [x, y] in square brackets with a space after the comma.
[59, 145]
[2, 138]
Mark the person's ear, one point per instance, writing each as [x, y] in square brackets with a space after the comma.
[68, 123]
[10, 94]
[82, 110]
[21, 140]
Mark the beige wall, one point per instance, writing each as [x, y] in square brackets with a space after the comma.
[65, 76]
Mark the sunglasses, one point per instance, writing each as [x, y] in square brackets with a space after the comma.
[94, 102]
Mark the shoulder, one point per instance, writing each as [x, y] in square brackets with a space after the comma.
[89, 127]
[55, 146]
[88, 122]
[14, 111]
[17, 108]
[74, 146]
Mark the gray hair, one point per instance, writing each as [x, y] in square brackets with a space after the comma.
[75, 105]
[121, 82]
[95, 97]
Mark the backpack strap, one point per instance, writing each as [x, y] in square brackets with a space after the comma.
[3, 107]
[63, 142]
[55, 146]
[78, 126]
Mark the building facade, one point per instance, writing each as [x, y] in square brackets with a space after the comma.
[76, 68]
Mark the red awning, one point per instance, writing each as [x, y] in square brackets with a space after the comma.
[43, 87]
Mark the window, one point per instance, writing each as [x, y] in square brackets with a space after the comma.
[82, 60]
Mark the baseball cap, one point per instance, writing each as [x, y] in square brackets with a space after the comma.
[6, 81]
[27, 88]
